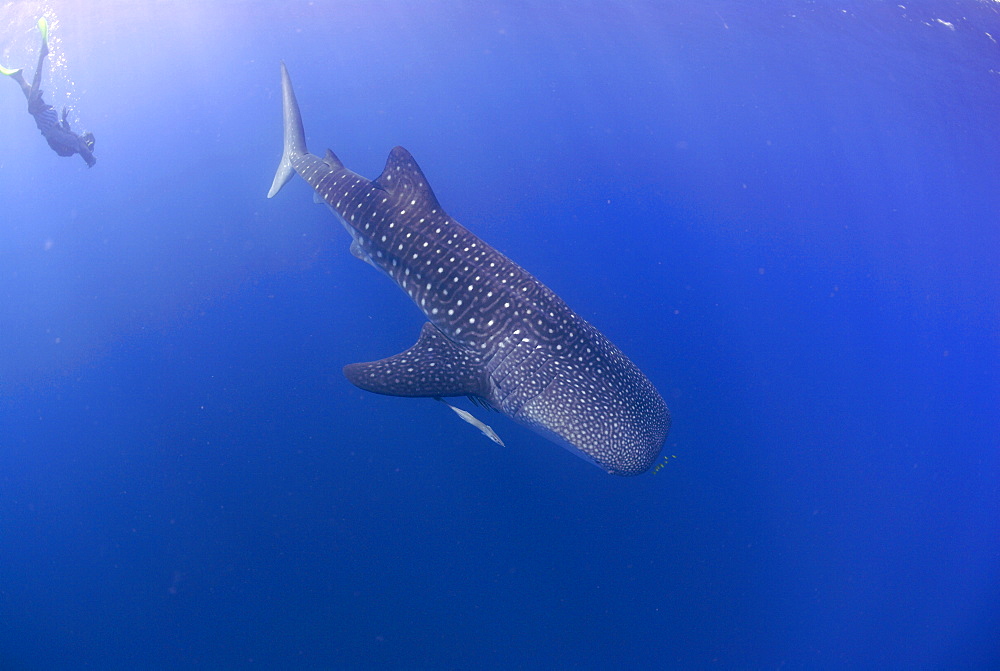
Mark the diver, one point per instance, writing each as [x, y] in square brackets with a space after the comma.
[55, 129]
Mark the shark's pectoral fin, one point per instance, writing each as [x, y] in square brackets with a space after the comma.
[433, 367]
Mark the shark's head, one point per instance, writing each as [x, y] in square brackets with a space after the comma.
[619, 424]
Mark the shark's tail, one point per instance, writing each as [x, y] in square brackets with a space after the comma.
[295, 139]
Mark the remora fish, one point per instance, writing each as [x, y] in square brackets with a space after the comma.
[494, 332]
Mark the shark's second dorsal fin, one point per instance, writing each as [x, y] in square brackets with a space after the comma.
[402, 176]
[331, 159]
[433, 367]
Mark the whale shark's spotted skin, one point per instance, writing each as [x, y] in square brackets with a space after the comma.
[494, 332]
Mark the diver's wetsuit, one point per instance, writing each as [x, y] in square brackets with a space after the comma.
[55, 130]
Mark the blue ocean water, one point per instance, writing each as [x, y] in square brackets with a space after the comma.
[786, 213]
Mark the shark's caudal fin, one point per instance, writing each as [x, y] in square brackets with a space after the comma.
[295, 139]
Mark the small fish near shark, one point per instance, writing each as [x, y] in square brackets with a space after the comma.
[493, 333]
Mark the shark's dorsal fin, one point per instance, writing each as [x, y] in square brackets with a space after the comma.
[433, 367]
[403, 177]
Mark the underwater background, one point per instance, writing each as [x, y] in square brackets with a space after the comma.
[786, 213]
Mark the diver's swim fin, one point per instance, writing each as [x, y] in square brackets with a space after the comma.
[43, 28]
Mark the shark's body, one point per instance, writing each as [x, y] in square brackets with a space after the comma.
[494, 332]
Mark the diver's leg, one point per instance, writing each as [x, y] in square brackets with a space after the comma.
[17, 77]
[36, 81]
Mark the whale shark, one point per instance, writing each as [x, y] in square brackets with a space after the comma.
[493, 333]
